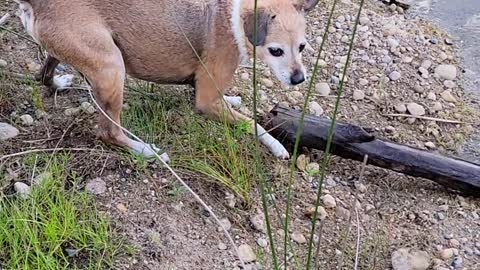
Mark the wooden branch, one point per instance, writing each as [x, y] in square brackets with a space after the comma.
[353, 142]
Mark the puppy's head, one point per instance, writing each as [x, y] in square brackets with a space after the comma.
[280, 38]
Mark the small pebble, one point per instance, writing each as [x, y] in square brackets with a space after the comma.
[395, 75]
[27, 120]
[298, 237]
[329, 201]
[323, 88]
[246, 254]
[22, 189]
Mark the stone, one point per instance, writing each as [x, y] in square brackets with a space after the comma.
[342, 213]
[358, 95]
[22, 189]
[418, 88]
[447, 96]
[312, 168]
[366, 44]
[406, 259]
[446, 72]
[121, 207]
[360, 187]
[442, 56]
[401, 108]
[446, 254]
[298, 237]
[323, 88]
[457, 262]
[245, 76]
[430, 145]
[426, 64]
[387, 59]
[453, 243]
[246, 254]
[364, 20]
[258, 223]
[449, 84]
[267, 82]
[7, 131]
[415, 109]
[363, 82]
[302, 162]
[96, 186]
[322, 63]
[262, 242]
[329, 201]
[225, 224]
[71, 111]
[392, 43]
[432, 96]
[321, 214]
[222, 246]
[437, 106]
[87, 107]
[3, 63]
[27, 120]
[423, 71]
[315, 108]
[395, 75]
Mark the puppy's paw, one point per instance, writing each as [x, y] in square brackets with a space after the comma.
[149, 150]
[279, 150]
[62, 81]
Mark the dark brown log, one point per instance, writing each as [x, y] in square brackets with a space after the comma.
[353, 142]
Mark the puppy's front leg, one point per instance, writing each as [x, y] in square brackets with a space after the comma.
[214, 105]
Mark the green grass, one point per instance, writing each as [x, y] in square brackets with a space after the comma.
[223, 153]
[37, 99]
[36, 232]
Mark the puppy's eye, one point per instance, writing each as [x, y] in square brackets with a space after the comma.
[302, 47]
[275, 52]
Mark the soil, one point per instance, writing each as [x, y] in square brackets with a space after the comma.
[171, 230]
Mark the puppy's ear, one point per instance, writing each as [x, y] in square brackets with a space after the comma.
[306, 5]
[263, 20]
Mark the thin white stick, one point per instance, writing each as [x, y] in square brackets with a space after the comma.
[424, 118]
[4, 18]
[195, 195]
[46, 150]
[357, 250]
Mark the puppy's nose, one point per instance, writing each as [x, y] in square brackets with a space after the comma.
[297, 77]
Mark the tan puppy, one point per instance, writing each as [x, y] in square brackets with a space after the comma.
[161, 41]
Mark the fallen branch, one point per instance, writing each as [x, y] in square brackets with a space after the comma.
[353, 142]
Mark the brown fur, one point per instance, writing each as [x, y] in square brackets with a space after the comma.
[107, 39]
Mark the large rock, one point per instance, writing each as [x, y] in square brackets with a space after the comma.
[323, 89]
[415, 109]
[7, 131]
[406, 259]
[246, 254]
[446, 72]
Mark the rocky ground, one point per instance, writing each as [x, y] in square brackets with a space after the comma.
[403, 68]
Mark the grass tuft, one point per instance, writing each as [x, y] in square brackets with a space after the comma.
[223, 153]
[55, 228]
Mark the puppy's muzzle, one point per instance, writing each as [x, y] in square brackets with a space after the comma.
[297, 77]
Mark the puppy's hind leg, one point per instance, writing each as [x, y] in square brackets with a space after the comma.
[107, 82]
[45, 75]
